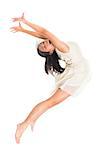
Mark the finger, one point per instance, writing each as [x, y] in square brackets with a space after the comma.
[12, 28]
[14, 19]
[23, 15]
[19, 24]
[14, 31]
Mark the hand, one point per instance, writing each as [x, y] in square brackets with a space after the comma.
[19, 18]
[16, 28]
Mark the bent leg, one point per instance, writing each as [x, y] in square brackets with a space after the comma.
[39, 109]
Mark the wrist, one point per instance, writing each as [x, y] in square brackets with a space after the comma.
[24, 20]
[22, 30]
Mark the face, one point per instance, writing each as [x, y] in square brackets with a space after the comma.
[46, 46]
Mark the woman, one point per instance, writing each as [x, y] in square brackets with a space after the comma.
[63, 60]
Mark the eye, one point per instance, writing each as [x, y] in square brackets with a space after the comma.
[49, 42]
[42, 43]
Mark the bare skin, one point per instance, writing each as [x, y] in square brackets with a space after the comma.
[45, 46]
[40, 32]
[38, 110]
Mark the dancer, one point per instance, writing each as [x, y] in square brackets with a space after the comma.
[63, 60]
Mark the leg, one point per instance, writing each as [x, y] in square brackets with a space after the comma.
[38, 110]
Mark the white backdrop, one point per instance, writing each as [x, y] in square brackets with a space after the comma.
[23, 82]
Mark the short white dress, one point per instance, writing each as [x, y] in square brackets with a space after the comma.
[76, 73]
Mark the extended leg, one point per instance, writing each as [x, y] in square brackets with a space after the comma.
[38, 110]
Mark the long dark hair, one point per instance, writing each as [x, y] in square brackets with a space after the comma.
[52, 61]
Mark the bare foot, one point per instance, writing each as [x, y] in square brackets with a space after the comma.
[19, 131]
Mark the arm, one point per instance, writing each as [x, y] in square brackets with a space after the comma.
[35, 34]
[44, 34]
[21, 29]
[61, 46]
[33, 26]
[28, 23]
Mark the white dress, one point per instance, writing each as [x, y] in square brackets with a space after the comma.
[76, 73]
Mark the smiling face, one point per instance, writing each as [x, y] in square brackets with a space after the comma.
[46, 46]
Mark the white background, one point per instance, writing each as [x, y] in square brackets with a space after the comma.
[23, 82]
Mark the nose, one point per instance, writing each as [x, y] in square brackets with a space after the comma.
[45, 43]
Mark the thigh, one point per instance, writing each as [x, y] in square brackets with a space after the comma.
[60, 95]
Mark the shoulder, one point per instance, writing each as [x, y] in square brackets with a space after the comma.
[69, 46]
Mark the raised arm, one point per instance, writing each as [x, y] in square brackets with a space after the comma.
[61, 46]
[21, 29]
[28, 23]
[43, 33]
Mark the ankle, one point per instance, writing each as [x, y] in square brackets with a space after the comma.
[24, 124]
[29, 122]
